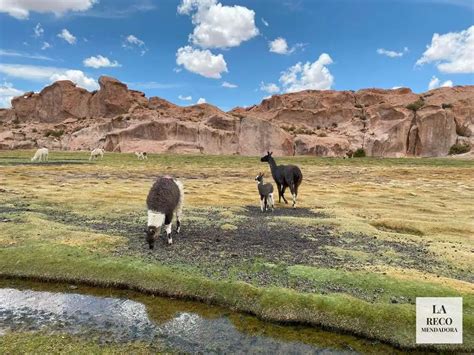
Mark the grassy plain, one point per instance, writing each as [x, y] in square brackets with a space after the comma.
[367, 238]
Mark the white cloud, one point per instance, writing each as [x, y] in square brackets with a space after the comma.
[20, 9]
[7, 93]
[49, 74]
[133, 42]
[451, 52]
[45, 45]
[10, 53]
[270, 88]
[308, 76]
[78, 77]
[435, 83]
[185, 98]
[201, 101]
[100, 62]
[392, 54]
[67, 36]
[219, 26]
[39, 31]
[265, 22]
[228, 85]
[201, 62]
[280, 46]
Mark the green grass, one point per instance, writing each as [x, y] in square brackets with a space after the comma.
[38, 343]
[377, 320]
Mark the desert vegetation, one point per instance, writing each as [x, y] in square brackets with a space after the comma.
[367, 238]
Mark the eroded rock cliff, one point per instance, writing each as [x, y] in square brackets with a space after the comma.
[392, 123]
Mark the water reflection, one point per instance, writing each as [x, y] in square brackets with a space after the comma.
[184, 326]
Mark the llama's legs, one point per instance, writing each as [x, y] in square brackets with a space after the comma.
[272, 203]
[293, 194]
[178, 221]
[279, 193]
[266, 203]
[283, 194]
[168, 220]
[261, 202]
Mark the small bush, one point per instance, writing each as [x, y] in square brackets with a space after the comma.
[16, 121]
[459, 149]
[415, 106]
[359, 153]
[445, 106]
[358, 105]
[322, 134]
[334, 125]
[34, 130]
[55, 134]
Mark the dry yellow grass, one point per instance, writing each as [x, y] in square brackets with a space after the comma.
[392, 199]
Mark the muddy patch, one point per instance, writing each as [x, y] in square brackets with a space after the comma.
[246, 244]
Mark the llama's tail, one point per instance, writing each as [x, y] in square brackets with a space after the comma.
[179, 208]
[297, 179]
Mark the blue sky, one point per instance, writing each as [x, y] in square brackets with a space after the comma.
[235, 53]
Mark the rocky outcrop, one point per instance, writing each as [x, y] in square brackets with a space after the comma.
[391, 123]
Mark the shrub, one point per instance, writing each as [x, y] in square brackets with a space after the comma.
[16, 121]
[359, 153]
[358, 105]
[55, 134]
[415, 106]
[445, 106]
[334, 125]
[459, 148]
[34, 130]
[322, 134]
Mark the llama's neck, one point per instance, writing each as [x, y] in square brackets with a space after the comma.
[272, 164]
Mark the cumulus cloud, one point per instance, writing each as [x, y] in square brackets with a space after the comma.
[20, 9]
[201, 62]
[45, 45]
[270, 88]
[392, 54]
[100, 62]
[133, 42]
[67, 36]
[38, 31]
[48, 74]
[225, 84]
[7, 93]
[219, 26]
[314, 76]
[436, 83]
[201, 100]
[185, 98]
[279, 46]
[451, 52]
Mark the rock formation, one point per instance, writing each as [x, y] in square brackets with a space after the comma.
[390, 123]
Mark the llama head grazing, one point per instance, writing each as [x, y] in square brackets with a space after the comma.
[267, 157]
[151, 236]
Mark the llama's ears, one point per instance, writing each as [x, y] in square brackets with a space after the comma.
[271, 153]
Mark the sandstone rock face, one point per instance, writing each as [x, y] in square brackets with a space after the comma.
[322, 123]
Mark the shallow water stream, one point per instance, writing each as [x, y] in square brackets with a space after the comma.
[121, 316]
